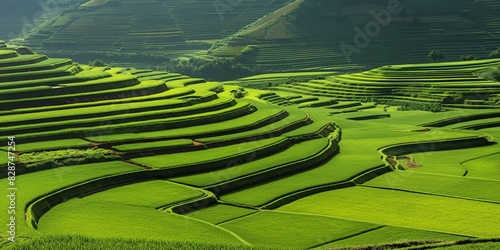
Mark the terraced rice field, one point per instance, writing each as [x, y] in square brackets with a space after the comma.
[308, 41]
[425, 83]
[149, 27]
[154, 156]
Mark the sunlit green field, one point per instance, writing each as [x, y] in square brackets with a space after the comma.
[163, 161]
[404, 209]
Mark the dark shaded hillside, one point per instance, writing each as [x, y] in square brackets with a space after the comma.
[320, 33]
[170, 27]
[271, 35]
[12, 13]
[18, 16]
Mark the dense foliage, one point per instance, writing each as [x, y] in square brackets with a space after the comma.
[406, 106]
[219, 69]
[492, 74]
[66, 157]
[468, 58]
[435, 55]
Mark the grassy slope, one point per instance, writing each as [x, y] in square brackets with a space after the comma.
[133, 212]
[295, 153]
[189, 158]
[484, 167]
[49, 242]
[146, 194]
[480, 189]
[54, 144]
[389, 234]
[105, 219]
[293, 230]
[358, 153]
[404, 209]
[451, 162]
[220, 213]
[51, 180]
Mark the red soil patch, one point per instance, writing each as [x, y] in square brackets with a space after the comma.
[404, 161]
[407, 162]
[392, 160]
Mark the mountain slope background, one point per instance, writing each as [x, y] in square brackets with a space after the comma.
[277, 35]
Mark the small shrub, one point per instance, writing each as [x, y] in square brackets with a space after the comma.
[238, 93]
[435, 55]
[468, 58]
[406, 106]
[98, 63]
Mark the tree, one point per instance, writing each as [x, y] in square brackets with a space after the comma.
[435, 55]
[468, 58]
[98, 63]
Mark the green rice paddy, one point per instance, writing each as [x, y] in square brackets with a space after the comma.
[404, 209]
[161, 160]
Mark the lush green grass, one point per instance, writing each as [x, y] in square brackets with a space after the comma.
[357, 154]
[145, 86]
[474, 123]
[197, 157]
[293, 230]
[222, 127]
[296, 153]
[448, 203]
[416, 117]
[220, 213]
[153, 145]
[389, 234]
[484, 167]
[48, 181]
[4, 158]
[153, 194]
[132, 101]
[495, 132]
[53, 156]
[352, 160]
[238, 110]
[451, 162]
[104, 219]
[273, 128]
[455, 186]
[127, 116]
[50, 242]
[50, 145]
[397, 208]
[96, 111]
[108, 84]
[310, 129]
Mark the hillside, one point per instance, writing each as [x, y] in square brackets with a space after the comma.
[173, 28]
[330, 34]
[19, 17]
[160, 160]
[268, 35]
